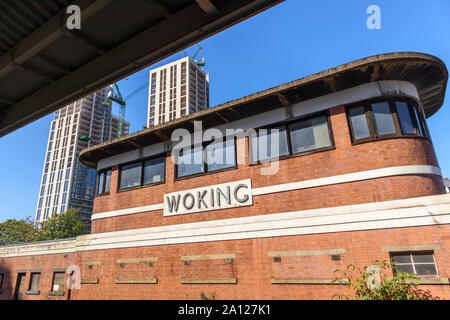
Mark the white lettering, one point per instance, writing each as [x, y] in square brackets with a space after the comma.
[222, 196]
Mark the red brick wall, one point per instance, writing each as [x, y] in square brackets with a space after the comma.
[252, 266]
[345, 158]
[46, 263]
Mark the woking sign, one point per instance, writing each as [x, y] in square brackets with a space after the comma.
[219, 196]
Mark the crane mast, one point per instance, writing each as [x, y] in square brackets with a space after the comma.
[122, 102]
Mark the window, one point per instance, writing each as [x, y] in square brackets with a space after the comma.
[2, 275]
[130, 175]
[220, 155]
[34, 281]
[209, 157]
[421, 264]
[372, 120]
[154, 170]
[404, 117]
[104, 181]
[309, 134]
[383, 118]
[107, 184]
[144, 172]
[190, 161]
[58, 281]
[265, 146]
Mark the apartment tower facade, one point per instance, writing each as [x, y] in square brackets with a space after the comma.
[67, 183]
[176, 89]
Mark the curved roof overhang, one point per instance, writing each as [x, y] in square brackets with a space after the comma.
[426, 72]
[44, 66]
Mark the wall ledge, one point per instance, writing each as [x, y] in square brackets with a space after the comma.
[209, 281]
[332, 281]
[135, 281]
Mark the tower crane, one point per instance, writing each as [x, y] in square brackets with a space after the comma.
[201, 62]
[122, 102]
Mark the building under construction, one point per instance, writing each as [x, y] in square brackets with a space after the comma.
[67, 183]
[177, 89]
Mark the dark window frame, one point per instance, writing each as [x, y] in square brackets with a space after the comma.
[142, 161]
[413, 264]
[103, 193]
[204, 144]
[2, 274]
[286, 123]
[61, 282]
[34, 291]
[371, 122]
[59, 292]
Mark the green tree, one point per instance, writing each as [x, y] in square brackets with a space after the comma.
[203, 296]
[62, 226]
[14, 231]
[378, 282]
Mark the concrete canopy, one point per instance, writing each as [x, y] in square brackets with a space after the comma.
[426, 72]
[44, 66]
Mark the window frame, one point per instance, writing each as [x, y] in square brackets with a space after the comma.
[142, 161]
[286, 123]
[371, 121]
[103, 193]
[204, 144]
[34, 291]
[120, 174]
[413, 264]
[59, 291]
[2, 277]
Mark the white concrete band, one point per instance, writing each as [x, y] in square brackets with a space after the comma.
[412, 212]
[343, 178]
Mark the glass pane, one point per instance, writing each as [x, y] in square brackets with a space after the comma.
[154, 170]
[190, 162]
[401, 258]
[404, 117]
[34, 283]
[100, 183]
[426, 269]
[423, 127]
[220, 155]
[359, 122]
[58, 281]
[266, 146]
[423, 257]
[108, 181]
[418, 121]
[408, 268]
[130, 175]
[309, 134]
[383, 118]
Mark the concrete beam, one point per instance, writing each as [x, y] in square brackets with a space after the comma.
[207, 6]
[130, 56]
[46, 34]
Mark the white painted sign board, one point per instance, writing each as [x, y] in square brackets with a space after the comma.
[215, 197]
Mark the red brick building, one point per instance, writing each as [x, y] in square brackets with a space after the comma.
[356, 180]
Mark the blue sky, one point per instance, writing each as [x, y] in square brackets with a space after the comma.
[289, 41]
